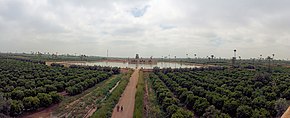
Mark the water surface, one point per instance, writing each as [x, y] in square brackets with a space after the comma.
[146, 66]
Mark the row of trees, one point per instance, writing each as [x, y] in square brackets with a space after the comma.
[115, 70]
[26, 86]
[167, 100]
[15, 57]
[225, 92]
[15, 107]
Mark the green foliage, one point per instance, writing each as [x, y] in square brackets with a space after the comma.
[181, 113]
[200, 105]
[16, 107]
[286, 93]
[234, 92]
[261, 113]
[154, 109]
[22, 79]
[17, 94]
[281, 106]
[31, 103]
[211, 112]
[244, 111]
[5, 104]
[45, 99]
[166, 98]
[116, 70]
[56, 98]
[138, 109]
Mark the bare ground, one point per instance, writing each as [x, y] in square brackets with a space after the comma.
[44, 113]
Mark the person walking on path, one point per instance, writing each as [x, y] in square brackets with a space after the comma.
[118, 108]
[121, 108]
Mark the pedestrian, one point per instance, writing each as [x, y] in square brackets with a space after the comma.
[121, 108]
[118, 108]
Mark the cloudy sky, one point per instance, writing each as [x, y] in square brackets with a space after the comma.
[148, 27]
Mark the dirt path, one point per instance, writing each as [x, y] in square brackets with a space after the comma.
[127, 99]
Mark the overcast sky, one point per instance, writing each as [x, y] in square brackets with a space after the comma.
[151, 28]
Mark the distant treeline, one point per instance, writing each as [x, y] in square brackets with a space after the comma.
[22, 59]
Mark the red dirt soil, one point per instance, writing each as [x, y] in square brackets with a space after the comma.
[127, 99]
[44, 113]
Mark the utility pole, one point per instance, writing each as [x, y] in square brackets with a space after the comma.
[107, 53]
[234, 59]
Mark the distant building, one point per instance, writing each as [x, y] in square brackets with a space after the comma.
[139, 60]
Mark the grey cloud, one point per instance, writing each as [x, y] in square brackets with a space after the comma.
[166, 26]
[128, 27]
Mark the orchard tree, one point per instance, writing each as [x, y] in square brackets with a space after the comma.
[5, 104]
[182, 113]
[56, 98]
[281, 106]
[16, 108]
[171, 109]
[261, 113]
[31, 103]
[17, 94]
[211, 112]
[200, 105]
[45, 99]
[244, 111]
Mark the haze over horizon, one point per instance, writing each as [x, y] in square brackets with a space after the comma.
[150, 28]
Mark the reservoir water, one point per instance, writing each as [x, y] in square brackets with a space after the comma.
[145, 66]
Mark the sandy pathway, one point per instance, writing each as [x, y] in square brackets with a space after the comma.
[127, 99]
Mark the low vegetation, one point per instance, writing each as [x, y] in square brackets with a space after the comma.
[138, 111]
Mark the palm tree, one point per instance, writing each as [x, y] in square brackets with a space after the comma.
[235, 52]
[269, 62]
[273, 58]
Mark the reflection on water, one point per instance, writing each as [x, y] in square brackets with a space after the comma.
[146, 66]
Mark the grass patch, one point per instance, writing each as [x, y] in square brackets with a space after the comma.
[106, 107]
[69, 99]
[138, 109]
